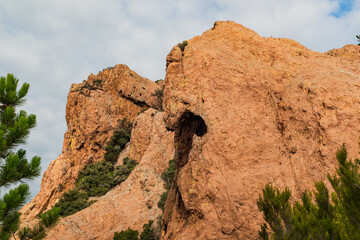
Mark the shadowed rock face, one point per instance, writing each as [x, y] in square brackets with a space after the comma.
[240, 111]
[274, 112]
[94, 109]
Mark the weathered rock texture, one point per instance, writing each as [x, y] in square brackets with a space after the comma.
[247, 111]
[134, 202]
[94, 109]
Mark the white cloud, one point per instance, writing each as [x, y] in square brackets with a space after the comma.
[52, 44]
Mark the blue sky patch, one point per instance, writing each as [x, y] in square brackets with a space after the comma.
[345, 6]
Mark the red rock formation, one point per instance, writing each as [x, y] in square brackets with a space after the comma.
[245, 111]
[94, 109]
[248, 111]
[134, 202]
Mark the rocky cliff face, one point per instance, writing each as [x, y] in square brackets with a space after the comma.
[94, 109]
[240, 111]
[247, 111]
[134, 202]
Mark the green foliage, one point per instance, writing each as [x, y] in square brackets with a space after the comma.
[168, 177]
[14, 167]
[47, 220]
[72, 202]
[97, 82]
[8, 91]
[159, 93]
[126, 235]
[121, 173]
[323, 219]
[162, 201]
[50, 217]
[169, 174]
[183, 45]
[142, 110]
[148, 233]
[276, 208]
[358, 38]
[346, 184]
[96, 179]
[118, 141]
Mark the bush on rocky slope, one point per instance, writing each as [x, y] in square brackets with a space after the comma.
[97, 179]
[72, 202]
[168, 177]
[148, 233]
[330, 217]
[47, 219]
[94, 180]
[118, 141]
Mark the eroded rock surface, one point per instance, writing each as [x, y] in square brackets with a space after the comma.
[134, 202]
[248, 111]
[94, 109]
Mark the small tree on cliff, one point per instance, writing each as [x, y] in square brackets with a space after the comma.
[339, 219]
[14, 167]
[358, 38]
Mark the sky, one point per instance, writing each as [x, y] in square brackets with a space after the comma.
[54, 43]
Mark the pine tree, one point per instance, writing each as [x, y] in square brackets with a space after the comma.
[321, 219]
[14, 167]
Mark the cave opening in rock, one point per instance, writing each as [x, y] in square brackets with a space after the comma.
[188, 125]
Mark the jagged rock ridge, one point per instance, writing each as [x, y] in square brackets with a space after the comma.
[93, 110]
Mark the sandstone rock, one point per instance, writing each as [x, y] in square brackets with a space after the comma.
[134, 202]
[94, 109]
[248, 111]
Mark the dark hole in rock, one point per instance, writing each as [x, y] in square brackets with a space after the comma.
[188, 125]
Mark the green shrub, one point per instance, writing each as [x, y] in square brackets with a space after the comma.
[183, 45]
[162, 201]
[97, 82]
[129, 234]
[168, 177]
[50, 217]
[148, 232]
[159, 93]
[47, 219]
[72, 202]
[324, 219]
[96, 179]
[118, 141]
[121, 173]
[169, 174]
[141, 111]
[358, 38]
